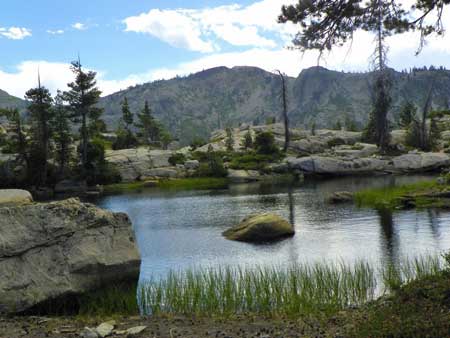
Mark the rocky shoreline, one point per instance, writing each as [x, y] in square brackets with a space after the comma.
[51, 250]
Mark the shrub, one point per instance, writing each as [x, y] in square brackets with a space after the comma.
[125, 140]
[197, 142]
[265, 143]
[253, 161]
[177, 158]
[213, 167]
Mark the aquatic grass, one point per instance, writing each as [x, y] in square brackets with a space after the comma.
[192, 183]
[410, 269]
[298, 289]
[391, 197]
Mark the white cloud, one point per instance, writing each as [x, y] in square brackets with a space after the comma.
[55, 32]
[79, 26]
[175, 27]
[15, 33]
[201, 29]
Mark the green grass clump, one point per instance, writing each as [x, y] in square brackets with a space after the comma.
[297, 290]
[252, 161]
[200, 183]
[393, 197]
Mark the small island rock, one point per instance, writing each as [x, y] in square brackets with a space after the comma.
[260, 228]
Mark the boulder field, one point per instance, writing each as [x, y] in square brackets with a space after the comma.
[50, 250]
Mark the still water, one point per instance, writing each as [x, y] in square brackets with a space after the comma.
[180, 230]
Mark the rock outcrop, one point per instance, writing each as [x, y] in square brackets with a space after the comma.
[50, 250]
[421, 162]
[243, 176]
[136, 164]
[337, 166]
[350, 165]
[260, 228]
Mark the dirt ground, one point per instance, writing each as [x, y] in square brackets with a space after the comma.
[38, 327]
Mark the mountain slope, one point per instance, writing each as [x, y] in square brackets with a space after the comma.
[9, 101]
[219, 97]
[209, 100]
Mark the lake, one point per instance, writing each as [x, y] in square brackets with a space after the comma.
[176, 230]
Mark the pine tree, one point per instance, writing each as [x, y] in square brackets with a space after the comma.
[40, 115]
[127, 115]
[229, 141]
[248, 140]
[407, 114]
[62, 134]
[434, 135]
[18, 142]
[82, 98]
[148, 128]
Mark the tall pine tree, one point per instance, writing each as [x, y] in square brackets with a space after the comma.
[82, 99]
[40, 110]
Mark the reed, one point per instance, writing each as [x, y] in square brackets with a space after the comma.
[298, 289]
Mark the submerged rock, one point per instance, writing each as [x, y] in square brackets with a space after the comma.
[14, 196]
[341, 197]
[49, 250]
[260, 228]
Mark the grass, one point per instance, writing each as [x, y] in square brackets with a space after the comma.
[319, 295]
[194, 183]
[181, 184]
[394, 197]
[297, 290]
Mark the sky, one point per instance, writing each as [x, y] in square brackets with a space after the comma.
[128, 42]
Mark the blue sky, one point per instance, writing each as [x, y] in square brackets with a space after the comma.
[136, 41]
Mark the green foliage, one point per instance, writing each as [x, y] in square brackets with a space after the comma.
[270, 120]
[150, 130]
[194, 183]
[407, 114]
[350, 124]
[427, 142]
[197, 142]
[127, 115]
[213, 166]
[41, 128]
[177, 158]
[313, 129]
[98, 170]
[229, 141]
[82, 99]
[253, 161]
[338, 125]
[393, 197]
[294, 291]
[62, 135]
[125, 139]
[438, 114]
[265, 144]
[247, 143]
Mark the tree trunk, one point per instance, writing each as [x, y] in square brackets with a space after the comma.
[285, 116]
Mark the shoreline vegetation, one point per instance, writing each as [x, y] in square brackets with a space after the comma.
[322, 298]
[428, 194]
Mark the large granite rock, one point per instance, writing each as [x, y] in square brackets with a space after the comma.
[260, 228]
[53, 249]
[337, 166]
[133, 164]
[14, 197]
[421, 162]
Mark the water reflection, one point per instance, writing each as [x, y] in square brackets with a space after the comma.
[183, 229]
